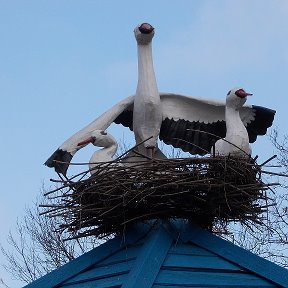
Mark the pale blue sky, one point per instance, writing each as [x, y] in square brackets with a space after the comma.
[64, 62]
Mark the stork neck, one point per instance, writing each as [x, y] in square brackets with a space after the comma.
[103, 155]
[147, 116]
[234, 123]
[110, 150]
[146, 71]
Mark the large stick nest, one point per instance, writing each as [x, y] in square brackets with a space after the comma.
[203, 190]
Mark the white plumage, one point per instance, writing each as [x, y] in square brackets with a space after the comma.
[147, 116]
[236, 141]
[100, 138]
[182, 121]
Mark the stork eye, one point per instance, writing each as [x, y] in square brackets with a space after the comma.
[103, 133]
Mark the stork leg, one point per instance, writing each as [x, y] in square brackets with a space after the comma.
[151, 152]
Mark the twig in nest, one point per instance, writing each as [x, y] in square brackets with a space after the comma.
[207, 190]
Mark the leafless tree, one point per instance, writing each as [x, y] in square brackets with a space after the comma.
[270, 240]
[38, 247]
[3, 284]
[280, 143]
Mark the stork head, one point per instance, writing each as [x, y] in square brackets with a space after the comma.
[99, 138]
[237, 97]
[144, 33]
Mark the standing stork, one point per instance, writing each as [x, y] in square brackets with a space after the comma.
[190, 123]
[147, 116]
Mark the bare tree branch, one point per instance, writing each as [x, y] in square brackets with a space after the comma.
[36, 247]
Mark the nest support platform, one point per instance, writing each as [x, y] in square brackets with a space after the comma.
[206, 191]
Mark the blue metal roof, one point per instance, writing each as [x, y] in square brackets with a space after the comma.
[163, 254]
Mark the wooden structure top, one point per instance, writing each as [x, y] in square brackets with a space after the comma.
[162, 253]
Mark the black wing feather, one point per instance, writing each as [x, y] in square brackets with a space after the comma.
[192, 137]
[59, 155]
[198, 137]
[263, 120]
[126, 119]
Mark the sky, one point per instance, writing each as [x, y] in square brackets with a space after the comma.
[65, 62]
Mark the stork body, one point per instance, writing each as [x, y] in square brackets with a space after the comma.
[193, 124]
[236, 141]
[147, 116]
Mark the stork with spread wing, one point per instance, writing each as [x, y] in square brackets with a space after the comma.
[190, 123]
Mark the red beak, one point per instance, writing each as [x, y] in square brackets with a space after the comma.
[86, 142]
[146, 28]
[242, 94]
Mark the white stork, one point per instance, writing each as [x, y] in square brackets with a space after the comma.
[103, 139]
[236, 141]
[147, 116]
[188, 123]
